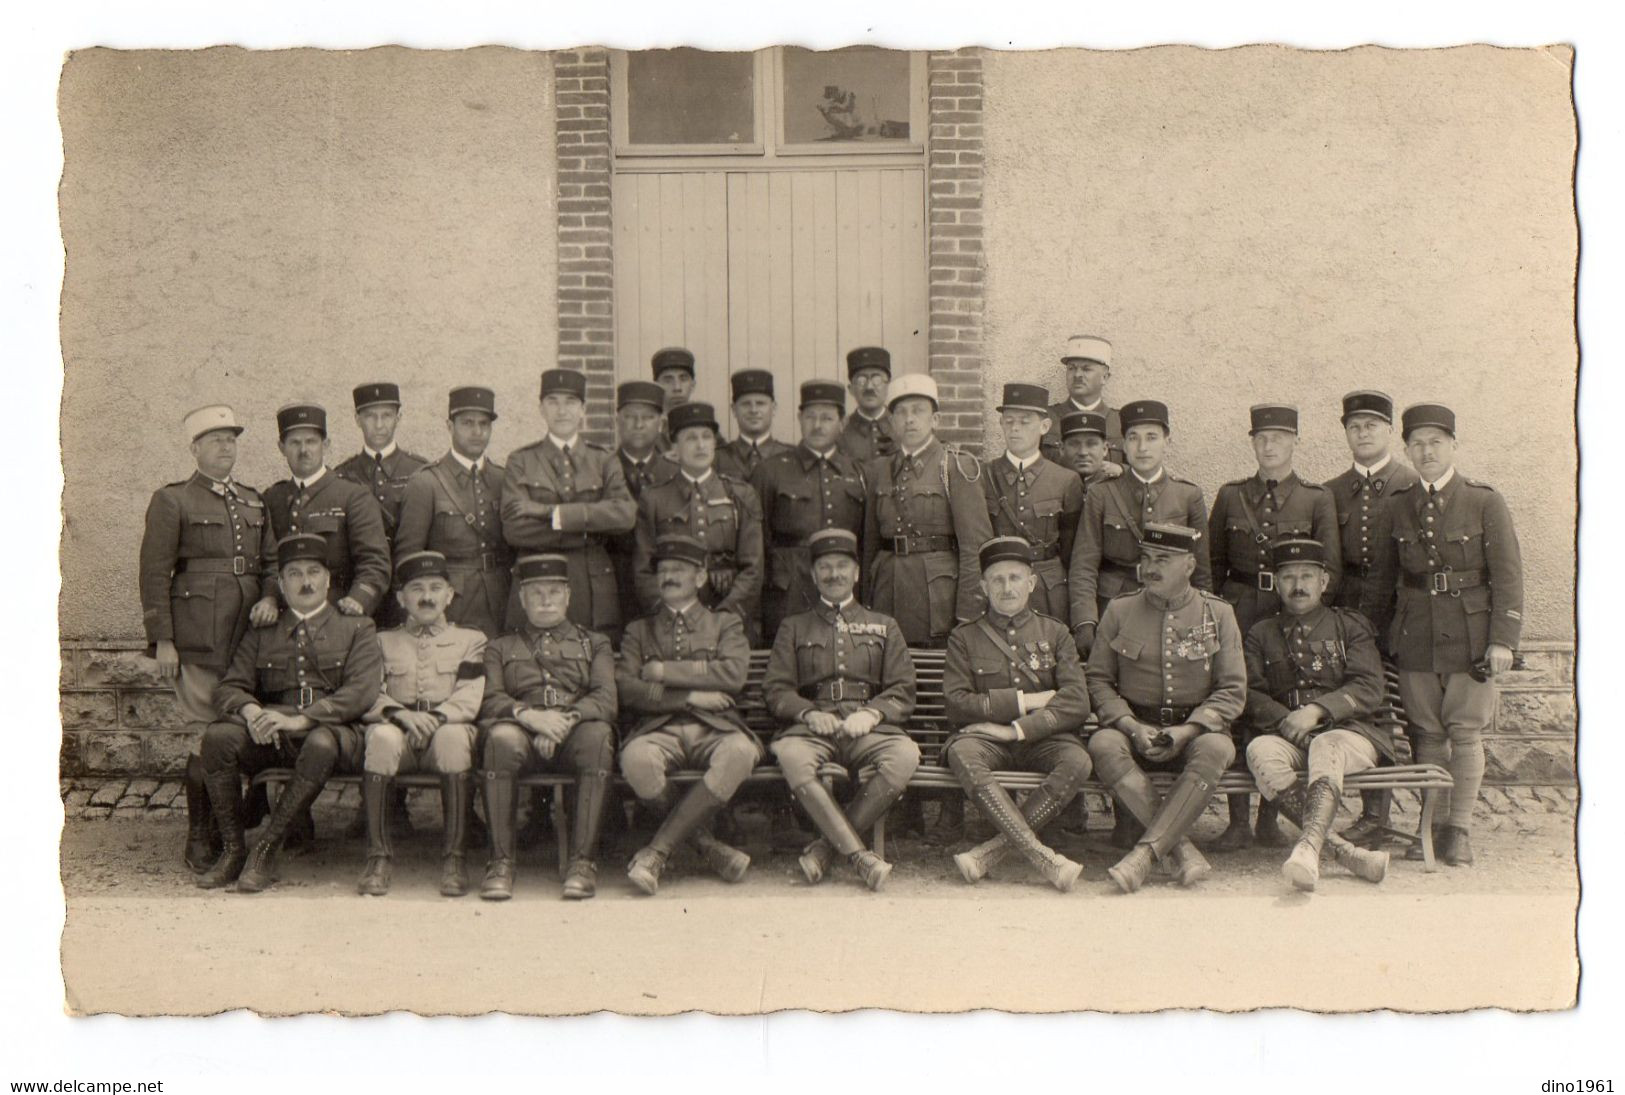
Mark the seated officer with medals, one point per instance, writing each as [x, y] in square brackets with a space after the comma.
[681, 670]
[841, 677]
[1313, 679]
[292, 698]
[1167, 678]
[1015, 690]
[549, 705]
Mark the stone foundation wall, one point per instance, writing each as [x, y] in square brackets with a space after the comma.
[119, 719]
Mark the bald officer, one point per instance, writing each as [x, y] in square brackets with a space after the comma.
[640, 436]
[564, 496]
[813, 486]
[753, 408]
[868, 432]
[1088, 362]
[841, 682]
[1030, 497]
[382, 467]
[1450, 552]
[1017, 697]
[673, 369]
[1167, 678]
[203, 558]
[453, 506]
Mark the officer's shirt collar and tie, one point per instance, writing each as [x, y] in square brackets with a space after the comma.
[830, 610]
[1023, 464]
[1437, 486]
[1095, 406]
[306, 484]
[378, 456]
[1143, 481]
[696, 480]
[472, 467]
[1368, 473]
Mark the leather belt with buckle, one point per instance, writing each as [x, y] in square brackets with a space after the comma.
[1043, 552]
[423, 705]
[553, 696]
[237, 565]
[307, 696]
[838, 690]
[1443, 581]
[485, 560]
[1162, 716]
[917, 545]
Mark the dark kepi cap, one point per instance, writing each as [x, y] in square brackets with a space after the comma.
[1380, 404]
[751, 382]
[684, 548]
[542, 568]
[472, 399]
[868, 357]
[1142, 411]
[420, 564]
[1418, 415]
[1025, 397]
[832, 541]
[301, 416]
[684, 415]
[1274, 416]
[672, 357]
[565, 382]
[1283, 552]
[1170, 537]
[823, 391]
[646, 392]
[1005, 549]
[1080, 422]
[301, 545]
[375, 394]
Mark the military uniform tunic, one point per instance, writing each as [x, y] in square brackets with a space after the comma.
[1042, 505]
[348, 518]
[924, 520]
[739, 459]
[590, 500]
[440, 670]
[864, 438]
[1106, 553]
[385, 478]
[802, 493]
[1052, 445]
[563, 668]
[651, 471]
[1358, 499]
[1248, 516]
[1328, 657]
[724, 515]
[451, 509]
[1168, 662]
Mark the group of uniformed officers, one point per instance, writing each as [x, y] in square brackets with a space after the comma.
[478, 622]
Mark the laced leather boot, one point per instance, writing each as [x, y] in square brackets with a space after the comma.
[374, 880]
[203, 844]
[224, 792]
[1040, 808]
[1370, 865]
[592, 795]
[1302, 867]
[1184, 804]
[259, 872]
[995, 803]
[499, 789]
[455, 801]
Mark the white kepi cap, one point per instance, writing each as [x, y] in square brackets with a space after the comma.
[1088, 348]
[909, 385]
[216, 416]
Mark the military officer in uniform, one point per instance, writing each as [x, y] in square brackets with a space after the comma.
[717, 510]
[1357, 494]
[453, 506]
[924, 518]
[753, 409]
[680, 672]
[549, 705]
[434, 681]
[1083, 447]
[640, 435]
[1248, 516]
[868, 432]
[1449, 549]
[841, 680]
[1016, 695]
[674, 371]
[810, 487]
[1033, 498]
[202, 578]
[382, 468]
[1314, 677]
[293, 697]
[1167, 678]
[564, 496]
[1088, 362]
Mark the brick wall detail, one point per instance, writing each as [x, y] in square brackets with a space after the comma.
[954, 206]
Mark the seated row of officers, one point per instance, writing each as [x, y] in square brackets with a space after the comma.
[909, 529]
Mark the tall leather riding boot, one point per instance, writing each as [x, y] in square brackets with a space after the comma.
[455, 811]
[1239, 833]
[1040, 808]
[837, 828]
[1267, 829]
[1368, 864]
[691, 812]
[1371, 829]
[500, 804]
[202, 835]
[995, 803]
[225, 794]
[1184, 804]
[375, 803]
[867, 807]
[1302, 867]
[592, 793]
[260, 870]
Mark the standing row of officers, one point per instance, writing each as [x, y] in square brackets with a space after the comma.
[1427, 558]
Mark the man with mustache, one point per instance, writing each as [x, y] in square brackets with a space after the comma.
[842, 681]
[753, 409]
[1166, 678]
[681, 670]
[1314, 677]
[1088, 362]
[434, 680]
[867, 432]
[382, 468]
[293, 697]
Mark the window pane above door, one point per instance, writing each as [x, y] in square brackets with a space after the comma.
[861, 94]
[690, 97]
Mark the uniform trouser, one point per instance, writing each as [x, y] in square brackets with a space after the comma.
[1061, 757]
[728, 757]
[1331, 755]
[511, 749]
[1450, 712]
[891, 753]
[1113, 753]
[228, 747]
[449, 751]
[194, 695]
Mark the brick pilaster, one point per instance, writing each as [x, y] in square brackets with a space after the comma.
[954, 204]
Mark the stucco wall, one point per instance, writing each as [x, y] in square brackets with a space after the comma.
[1257, 224]
[259, 227]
